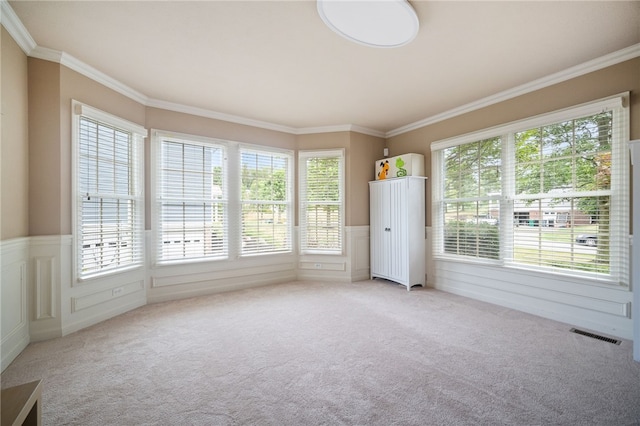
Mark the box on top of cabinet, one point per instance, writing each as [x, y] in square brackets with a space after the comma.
[400, 166]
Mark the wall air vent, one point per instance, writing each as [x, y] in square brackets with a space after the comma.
[595, 336]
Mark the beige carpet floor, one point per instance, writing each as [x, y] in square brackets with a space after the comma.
[366, 353]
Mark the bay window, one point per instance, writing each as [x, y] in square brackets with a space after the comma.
[548, 193]
[219, 200]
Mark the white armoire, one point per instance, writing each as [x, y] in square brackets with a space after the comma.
[397, 230]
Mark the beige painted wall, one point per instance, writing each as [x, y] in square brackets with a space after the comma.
[51, 89]
[596, 85]
[365, 151]
[75, 86]
[44, 148]
[14, 146]
[161, 119]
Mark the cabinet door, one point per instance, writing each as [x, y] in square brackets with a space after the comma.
[378, 226]
[397, 231]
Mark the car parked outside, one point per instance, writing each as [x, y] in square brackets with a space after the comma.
[588, 239]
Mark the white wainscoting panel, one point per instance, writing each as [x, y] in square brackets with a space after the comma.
[62, 306]
[429, 262]
[14, 299]
[580, 303]
[43, 288]
[98, 299]
[94, 299]
[178, 281]
[359, 253]
[352, 265]
[50, 262]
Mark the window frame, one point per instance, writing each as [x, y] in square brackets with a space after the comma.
[136, 194]
[159, 137]
[233, 188]
[619, 212]
[288, 203]
[304, 155]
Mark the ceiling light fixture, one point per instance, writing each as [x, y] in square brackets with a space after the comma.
[377, 23]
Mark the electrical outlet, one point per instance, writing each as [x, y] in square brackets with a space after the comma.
[117, 291]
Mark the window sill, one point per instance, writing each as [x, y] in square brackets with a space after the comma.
[106, 274]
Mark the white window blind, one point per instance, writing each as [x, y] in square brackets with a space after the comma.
[321, 187]
[109, 214]
[470, 206]
[191, 200]
[545, 194]
[266, 206]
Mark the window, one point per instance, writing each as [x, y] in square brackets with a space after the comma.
[266, 201]
[321, 201]
[549, 193]
[108, 187]
[472, 175]
[191, 199]
[217, 199]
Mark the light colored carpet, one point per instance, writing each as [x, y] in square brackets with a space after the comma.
[367, 353]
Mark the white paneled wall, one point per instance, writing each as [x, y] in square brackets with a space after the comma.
[352, 265]
[14, 298]
[40, 302]
[598, 307]
[40, 299]
[50, 264]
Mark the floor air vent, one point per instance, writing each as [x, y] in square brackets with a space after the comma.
[596, 336]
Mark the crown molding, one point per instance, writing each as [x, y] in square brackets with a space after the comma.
[614, 58]
[102, 78]
[367, 131]
[14, 26]
[202, 112]
[17, 30]
[80, 67]
[46, 54]
[340, 128]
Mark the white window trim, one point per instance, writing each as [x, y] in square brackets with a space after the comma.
[620, 152]
[234, 201]
[157, 137]
[139, 133]
[289, 196]
[302, 156]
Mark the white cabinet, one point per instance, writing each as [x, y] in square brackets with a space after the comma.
[397, 230]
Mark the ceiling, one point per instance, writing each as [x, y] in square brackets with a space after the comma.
[276, 61]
